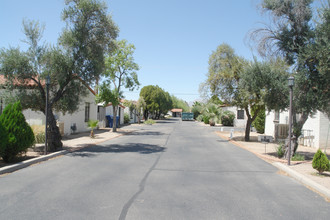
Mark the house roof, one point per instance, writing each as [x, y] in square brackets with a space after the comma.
[176, 110]
[31, 83]
[28, 82]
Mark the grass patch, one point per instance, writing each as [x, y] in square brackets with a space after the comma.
[39, 133]
[149, 122]
[298, 157]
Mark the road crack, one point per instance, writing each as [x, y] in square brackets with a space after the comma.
[142, 184]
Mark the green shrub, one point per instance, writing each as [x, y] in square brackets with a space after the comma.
[92, 124]
[206, 119]
[126, 118]
[200, 118]
[3, 138]
[320, 161]
[298, 157]
[280, 151]
[259, 122]
[20, 134]
[227, 118]
[149, 122]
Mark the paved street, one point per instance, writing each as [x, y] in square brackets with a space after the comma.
[170, 170]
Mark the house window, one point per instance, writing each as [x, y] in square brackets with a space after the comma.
[240, 114]
[87, 108]
[131, 114]
[277, 116]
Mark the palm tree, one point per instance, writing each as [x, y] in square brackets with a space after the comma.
[92, 124]
[213, 112]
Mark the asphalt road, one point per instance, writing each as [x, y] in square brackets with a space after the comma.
[170, 170]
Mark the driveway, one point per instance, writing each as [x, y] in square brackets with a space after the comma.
[170, 170]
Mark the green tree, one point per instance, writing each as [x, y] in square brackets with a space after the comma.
[120, 71]
[246, 85]
[179, 103]
[80, 56]
[197, 109]
[215, 99]
[223, 73]
[305, 48]
[20, 134]
[258, 83]
[158, 101]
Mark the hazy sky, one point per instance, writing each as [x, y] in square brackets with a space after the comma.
[173, 38]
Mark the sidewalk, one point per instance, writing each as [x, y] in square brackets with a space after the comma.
[300, 170]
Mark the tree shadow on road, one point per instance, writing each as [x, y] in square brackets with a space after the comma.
[156, 133]
[93, 151]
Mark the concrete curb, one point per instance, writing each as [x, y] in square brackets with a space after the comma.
[301, 178]
[26, 163]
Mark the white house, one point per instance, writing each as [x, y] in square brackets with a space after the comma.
[240, 119]
[132, 115]
[76, 122]
[315, 132]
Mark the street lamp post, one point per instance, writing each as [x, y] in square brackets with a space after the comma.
[291, 84]
[46, 127]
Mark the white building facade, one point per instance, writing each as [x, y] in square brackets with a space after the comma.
[315, 132]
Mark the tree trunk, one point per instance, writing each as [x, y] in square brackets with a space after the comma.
[297, 127]
[114, 120]
[249, 121]
[54, 136]
[247, 129]
[145, 115]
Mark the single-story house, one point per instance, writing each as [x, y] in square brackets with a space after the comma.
[76, 122]
[315, 132]
[240, 119]
[176, 112]
[132, 115]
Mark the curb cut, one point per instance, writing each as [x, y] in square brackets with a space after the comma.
[26, 163]
[302, 179]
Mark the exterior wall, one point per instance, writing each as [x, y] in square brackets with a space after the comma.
[34, 118]
[78, 117]
[311, 131]
[38, 118]
[315, 129]
[132, 115]
[324, 131]
[269, 123]
[240, 123]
